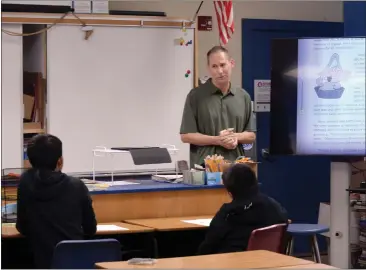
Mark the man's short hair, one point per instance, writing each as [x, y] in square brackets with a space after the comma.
[216, 49]
[240, 180]
[44, 151]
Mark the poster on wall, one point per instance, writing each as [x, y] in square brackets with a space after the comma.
[262, 95]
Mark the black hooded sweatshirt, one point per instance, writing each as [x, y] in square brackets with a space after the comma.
[231, 227]
[53, 207]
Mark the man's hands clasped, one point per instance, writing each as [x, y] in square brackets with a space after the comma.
[228, 139]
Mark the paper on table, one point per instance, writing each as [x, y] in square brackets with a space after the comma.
[118, 183]
[8, 224]
[203, 221]
[166, 176]
[106, 227]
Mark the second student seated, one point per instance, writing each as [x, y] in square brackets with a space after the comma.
[231, 227]
[52, 206]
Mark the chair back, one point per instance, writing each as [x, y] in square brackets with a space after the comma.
[83, 254]
[269, 238]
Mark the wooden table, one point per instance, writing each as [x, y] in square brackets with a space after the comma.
[310, 266]
[238, 260]
[151, 199]
[151, 202]
[169, 224]
[8, 230]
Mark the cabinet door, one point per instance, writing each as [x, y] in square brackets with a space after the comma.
[12, 98]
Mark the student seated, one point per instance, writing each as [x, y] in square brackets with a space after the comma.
[52, 206]
[249, 209]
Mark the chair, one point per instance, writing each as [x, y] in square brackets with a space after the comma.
[310, 230]
[83, 254]
[269, 238]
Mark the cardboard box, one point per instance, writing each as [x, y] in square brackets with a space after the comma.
[32, 125]
[82, 6]
[28, 102]
[100, 6]
[213, 178]
[324, 216]
[324, 219]
[357, 175]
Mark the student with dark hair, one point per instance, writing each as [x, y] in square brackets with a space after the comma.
[52, 206]
[231, 227]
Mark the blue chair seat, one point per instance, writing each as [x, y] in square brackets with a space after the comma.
[310, 230]
[306, 229]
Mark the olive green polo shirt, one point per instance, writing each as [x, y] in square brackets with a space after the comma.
[208, 111]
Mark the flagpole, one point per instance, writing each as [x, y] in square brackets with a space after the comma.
[195, 17]
[198, 10]
[196, 74]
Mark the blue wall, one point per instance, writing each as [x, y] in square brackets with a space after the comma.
[354, 16]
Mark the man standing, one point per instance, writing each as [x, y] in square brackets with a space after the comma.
[217, 117]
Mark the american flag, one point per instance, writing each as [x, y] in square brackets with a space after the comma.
[225, 20]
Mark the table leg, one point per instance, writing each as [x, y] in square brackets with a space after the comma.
[155, 247]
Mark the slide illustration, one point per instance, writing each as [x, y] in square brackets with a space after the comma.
[328, 84]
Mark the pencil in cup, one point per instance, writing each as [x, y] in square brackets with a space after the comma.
[212, 166]
[216, 164]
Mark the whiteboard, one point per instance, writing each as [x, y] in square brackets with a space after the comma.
[11, 98]
[125, 86]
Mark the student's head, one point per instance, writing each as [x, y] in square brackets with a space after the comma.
[220, 65]
[240, 181]
[45, 152]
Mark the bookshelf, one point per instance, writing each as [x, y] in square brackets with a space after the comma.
[34, 83]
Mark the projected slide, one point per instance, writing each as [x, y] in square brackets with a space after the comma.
[331, 97]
